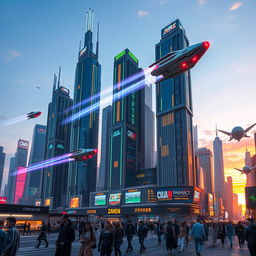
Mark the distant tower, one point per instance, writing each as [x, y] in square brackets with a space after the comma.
[2, 160]
[195, 138]
[248, 162]
[229, 196]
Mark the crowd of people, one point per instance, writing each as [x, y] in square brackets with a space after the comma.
[108, 237]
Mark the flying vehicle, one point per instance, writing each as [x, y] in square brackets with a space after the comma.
[32, 115]
[176, 62]
[238, 132]
[83, 154]
[246, 169]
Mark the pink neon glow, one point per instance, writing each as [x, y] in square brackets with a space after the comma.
[20, 184]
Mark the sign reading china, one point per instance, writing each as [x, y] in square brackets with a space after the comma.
[3, 200]
[176, 194]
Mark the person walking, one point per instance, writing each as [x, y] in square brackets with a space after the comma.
[81, 227]
[129, 232]
[42, 236]
[240, 234]
[13, 238]
[222, 233]
[106, 240]
[29, 228]
[142, 234]
[25, 228]
[88, 240]
[182, 236]
[65, 238]
[159, 231]
[118, 238]
[250, 237]
[198, 234]
[170, 237]
[3, 237]
[230, 233]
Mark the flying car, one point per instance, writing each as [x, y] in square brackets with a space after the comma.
[83, 154]
[238, 132]
[246, 169]
[177, 62]
[32, 115]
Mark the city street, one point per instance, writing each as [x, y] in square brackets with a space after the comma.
[27, 248]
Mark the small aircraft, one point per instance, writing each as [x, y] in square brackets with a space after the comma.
[246, 169]
[32, 115]
[177, 62]
[238, 132]
[83, 154]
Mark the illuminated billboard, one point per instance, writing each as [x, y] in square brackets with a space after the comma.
[3, 200]
[23, 144]
[114, 199]
[100, 200]
[250, 195]
[47, 202]
[38, 202]
[20, 184]
[169, 28]
[74, 202]
[176, 194]
[132, 197]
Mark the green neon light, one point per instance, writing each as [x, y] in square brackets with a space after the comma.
[133, 57]
[118, 56]
[121, 158]
[114, 105]
[110, 159]
[122, 97]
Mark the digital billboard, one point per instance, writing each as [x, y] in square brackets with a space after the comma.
[250, 196]
[20, 184]
[114, 199]
[3, 200]
[132, 197]
[74, 202]
[176, 195]
[100, 200]
[23, 144]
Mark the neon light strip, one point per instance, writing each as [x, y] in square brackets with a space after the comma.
[133, 57]
[118, 56]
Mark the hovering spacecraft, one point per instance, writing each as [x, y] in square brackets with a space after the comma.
[238, 132]
[246, 169]
[83, 154]
[32, 115]
[177, 62]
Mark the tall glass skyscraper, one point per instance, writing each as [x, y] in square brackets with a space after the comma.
[54, 180]
[2, 160]
[174, 116]
[84, 133]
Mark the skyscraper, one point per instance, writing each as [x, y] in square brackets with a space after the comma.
[2, 160]
[195, 138]
[229, 196]
[36, 155]
[54, 180]
[104, 159]
[174, 116]
[11, 180]
[248, 162]
[218, 166]
[206, 162]
[124, 133]
[84, 133]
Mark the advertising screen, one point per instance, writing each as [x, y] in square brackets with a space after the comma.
[74, 202]
[250, 195]
[23, 144]
[176, 194]
[100, 200]
[114, 199]
[132, 197]
[3, 200]
[47, 202]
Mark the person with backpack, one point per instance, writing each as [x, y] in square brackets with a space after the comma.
[129, 232]
[88, 240]
[42, 236]
[142, 234]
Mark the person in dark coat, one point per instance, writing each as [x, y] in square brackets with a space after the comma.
[65, 238]
[3, 237]
[118, 238]
[250, 237]
[129, 232]
[170, 237]
[142, 234]
[106, 240]
[222, 233]
[240, 234]
[159, 231]
[42, 236]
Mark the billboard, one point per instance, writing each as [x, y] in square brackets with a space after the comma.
[175, 195]
[23, 144]
[132, 197]
[47, 202]
[20, 184]
[3, 200]
[74, 202]
[100, 200]
[250, 196]
[114, 199]
[169, 28]
[38, 202]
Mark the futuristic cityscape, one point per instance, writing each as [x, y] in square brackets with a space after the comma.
[133, 140]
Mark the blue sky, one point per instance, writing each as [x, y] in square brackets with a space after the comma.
[39, 36]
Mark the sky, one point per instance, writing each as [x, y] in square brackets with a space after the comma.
[39, 36]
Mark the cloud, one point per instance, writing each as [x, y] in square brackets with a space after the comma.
[201, 2]
[142, 13]
[13, 54]
[163, 2]
[235, 6]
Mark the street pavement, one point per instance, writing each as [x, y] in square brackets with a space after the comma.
[27, 248]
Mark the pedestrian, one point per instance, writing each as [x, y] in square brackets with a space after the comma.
[13, 238]
[230, 233]
[142, 234]
[170, 237]
[81, 227]
[214, 234]
[187, 230]
[106, 240]
[198, 234]
[24, 228]
[222, 233]
[42, 236]
[3, 237]
[159, 231]
[129, 232]
[118, 238]
[48, 228]
[88, 240]
[182, 236]
[28, 228]
[240, 234]
[250, 237]
[65, 238]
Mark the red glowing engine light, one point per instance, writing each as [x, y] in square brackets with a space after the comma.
[184, 65]
[95, 150]
[195, 59]
[206, 44]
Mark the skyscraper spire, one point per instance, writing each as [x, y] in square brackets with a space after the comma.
[54, 82]
[59, 77]
[89, 20]
[97, 44]
[216, 131]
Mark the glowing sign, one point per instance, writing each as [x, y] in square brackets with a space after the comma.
[131, 134]
[82, 51]
[39, 130]
[74, 202]
[3, 200]
[50, 146]
[114, 198]
[38, 203]
[20, 184]
[142, 210]
[47, 202]
[65, 90]
[118, 56]
[60, 146]
[114, 211]
[116, 133]
[91, 211]
[169, 28]
[176, 194]
[132, 197]
[100, 200]
[23, 144]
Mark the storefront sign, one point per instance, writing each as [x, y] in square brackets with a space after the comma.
[132, 197]
[114, 210]
[3, 200]
[175, 194]
[91, 211]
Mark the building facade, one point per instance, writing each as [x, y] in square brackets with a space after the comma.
[11, 181]
[84, 131]
[174, 116]
[2, 161]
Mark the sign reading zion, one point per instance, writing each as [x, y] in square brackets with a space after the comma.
[176, 194]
